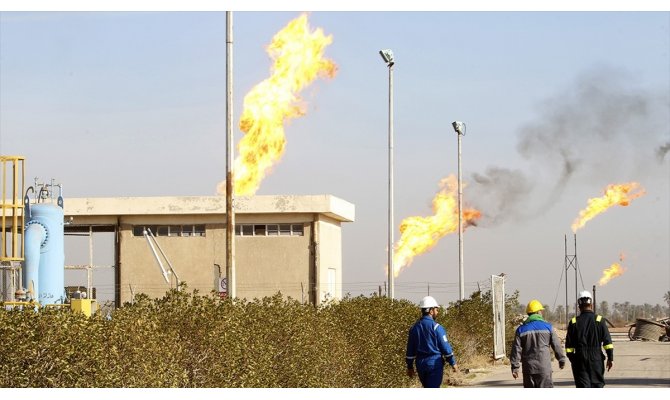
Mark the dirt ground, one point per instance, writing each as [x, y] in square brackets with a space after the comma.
[637, 364]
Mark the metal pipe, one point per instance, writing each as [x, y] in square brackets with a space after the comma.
[89, 278]
[153, 250]
[230, 187]
[23, 216]
[160, 249]
[15, 208]
[3, 253]
[317, 261]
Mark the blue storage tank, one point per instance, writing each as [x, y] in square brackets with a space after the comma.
[45, 254]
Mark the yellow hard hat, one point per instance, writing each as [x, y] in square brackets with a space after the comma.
[533, 307]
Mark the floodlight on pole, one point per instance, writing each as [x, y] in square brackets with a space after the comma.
[459, 128]
[387, 56]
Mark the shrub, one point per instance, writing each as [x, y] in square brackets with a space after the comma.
[185, 339]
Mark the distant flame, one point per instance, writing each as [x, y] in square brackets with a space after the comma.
[612, 272]
[614, 194]
[420, 234]
[298, 61]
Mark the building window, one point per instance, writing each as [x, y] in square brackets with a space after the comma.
[259, 230]
[198, 230]
[285, 229]
[273, 230]
[170, 230]
[247, 230]
[269, 230]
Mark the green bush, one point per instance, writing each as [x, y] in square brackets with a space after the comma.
[469, 324]
[190, 340]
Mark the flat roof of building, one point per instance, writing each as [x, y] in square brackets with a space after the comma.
[329, 205]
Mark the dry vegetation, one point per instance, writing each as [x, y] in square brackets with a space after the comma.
[190, 340]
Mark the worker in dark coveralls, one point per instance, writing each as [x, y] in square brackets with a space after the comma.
[530, 350]
[587, 337]
[427, 344]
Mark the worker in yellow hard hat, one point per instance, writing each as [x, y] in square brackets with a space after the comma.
[530, 350]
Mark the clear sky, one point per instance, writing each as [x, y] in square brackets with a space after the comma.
[557, 105]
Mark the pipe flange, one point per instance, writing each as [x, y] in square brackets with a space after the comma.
[46, 231]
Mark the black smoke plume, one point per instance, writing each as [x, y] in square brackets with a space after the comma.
[600, 131]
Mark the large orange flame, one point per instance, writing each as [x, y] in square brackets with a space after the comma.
[621, 194]
[613, 271]
[298, 60]
[420, 234]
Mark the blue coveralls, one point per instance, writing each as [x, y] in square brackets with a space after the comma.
[426, 344]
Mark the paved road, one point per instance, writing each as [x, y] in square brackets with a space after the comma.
[636, 364]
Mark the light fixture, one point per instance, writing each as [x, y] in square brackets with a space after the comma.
[459, 127]
[387, 56]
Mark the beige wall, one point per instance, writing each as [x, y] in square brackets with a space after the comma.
[192, 258]
[264, 265]
[268, 264]
[329, 257]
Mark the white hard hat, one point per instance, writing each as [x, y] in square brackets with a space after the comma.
[428, 302]
[584, 294]
[585, 297]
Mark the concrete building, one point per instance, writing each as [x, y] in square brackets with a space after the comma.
[291, 244]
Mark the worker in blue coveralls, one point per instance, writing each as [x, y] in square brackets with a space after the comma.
[427, 345]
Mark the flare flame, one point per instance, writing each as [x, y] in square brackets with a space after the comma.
[613, 271]
[420, 234]
[621, 194]
[298, 60]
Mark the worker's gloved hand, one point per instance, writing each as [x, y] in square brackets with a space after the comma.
[455, 367]
[609, 365]
[561, 364]
[515, 374]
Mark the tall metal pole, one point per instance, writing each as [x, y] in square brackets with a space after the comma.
[576, 290]
[461, 290]
[570, 261]
[230, 212]
[567, 309]
[390, 217]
